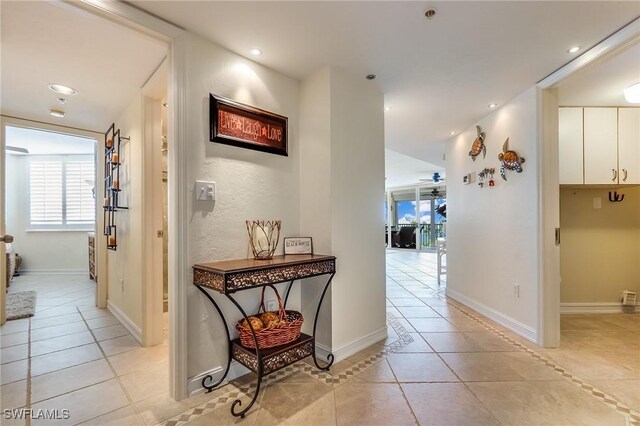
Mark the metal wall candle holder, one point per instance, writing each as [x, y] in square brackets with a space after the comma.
[112, 183]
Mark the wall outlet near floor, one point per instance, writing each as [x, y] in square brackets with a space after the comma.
[272, 305]
[516, 291]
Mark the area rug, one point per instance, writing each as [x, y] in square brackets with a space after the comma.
[21, 304]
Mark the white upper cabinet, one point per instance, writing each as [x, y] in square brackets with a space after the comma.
[629, 145]
[571, 146]
[600, 145]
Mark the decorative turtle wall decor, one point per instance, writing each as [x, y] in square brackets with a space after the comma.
[510, 160]
[478, 145]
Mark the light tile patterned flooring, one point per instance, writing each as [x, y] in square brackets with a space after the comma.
[442, 364]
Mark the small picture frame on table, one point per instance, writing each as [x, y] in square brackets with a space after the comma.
[298, 245]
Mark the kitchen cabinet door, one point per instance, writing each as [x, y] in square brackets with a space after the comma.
[629, 145]
[600, 146]
[570, 139]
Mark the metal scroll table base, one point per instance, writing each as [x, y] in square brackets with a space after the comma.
[265, 361]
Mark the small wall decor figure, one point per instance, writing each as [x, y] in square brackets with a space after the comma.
[510, 160]
[478, 145]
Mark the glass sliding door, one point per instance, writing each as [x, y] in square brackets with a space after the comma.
[431, 221]
[403, 219]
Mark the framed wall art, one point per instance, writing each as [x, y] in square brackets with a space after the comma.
[233, 123]
[298, 245]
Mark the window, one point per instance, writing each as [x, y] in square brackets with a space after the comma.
[60, 192]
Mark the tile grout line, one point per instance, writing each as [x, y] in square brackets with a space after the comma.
[115, 374]
[632, 416]
[325, 378]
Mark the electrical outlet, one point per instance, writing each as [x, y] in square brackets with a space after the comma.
[516, 291]
[272, 305]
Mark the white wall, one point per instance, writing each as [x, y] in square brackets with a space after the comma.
[600, 251]
[41, 251]
[315, 195]
[249, 185]
[124, 264]
[342, 204]
[493, 233]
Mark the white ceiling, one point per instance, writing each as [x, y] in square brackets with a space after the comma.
[402, 170]
[603, 83]
[437, 76]
[39, 142]
[53, 42]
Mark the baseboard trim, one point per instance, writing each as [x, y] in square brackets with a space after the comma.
[54, 272]
[195, 383]
[592, 308]
[354, 347]
[502, 319]
[126, 322]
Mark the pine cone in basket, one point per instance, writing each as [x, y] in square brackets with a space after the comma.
[270, 319]
[255, 322]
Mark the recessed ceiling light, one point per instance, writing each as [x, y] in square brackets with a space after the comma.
[574, 49]
[371, 76]
[387, 108]
[255, 51]
[453, 132]
[493, 105]
[63, 90]
[57, 113]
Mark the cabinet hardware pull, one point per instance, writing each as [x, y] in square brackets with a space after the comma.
[624, 179]
[615, 175]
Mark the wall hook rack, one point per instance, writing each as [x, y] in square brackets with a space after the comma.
[615, 197]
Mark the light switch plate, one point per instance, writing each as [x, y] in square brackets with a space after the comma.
[205, 191]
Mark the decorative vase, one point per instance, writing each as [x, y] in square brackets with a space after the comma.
[263, 237]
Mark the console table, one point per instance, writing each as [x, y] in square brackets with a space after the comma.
[231, 276]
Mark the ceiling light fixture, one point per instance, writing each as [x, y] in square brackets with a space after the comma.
[430, 13]
[574, 49]
[255, 51]
[57, 113]
[371, 76]
[493, 105]
[632, 93]
[453, 132]
[62, 89]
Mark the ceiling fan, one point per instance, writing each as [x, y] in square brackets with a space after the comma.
[436, 178]
[17, 149]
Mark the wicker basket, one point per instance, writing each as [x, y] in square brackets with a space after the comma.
[287, 331]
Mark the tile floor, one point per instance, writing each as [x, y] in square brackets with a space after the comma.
[442, 364]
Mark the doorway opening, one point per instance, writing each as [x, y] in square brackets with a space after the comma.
[51, 213]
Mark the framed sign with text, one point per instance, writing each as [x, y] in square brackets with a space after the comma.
[233, 123]
[298, 245]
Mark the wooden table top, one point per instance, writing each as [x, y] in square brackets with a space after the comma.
[245, 265]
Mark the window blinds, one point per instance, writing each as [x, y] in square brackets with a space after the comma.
[59, 193]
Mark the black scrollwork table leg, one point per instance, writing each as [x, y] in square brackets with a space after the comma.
[286, 297]
[259, 372]
[315, 323]
[208, 377]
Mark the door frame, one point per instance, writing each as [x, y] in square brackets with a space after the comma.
[549, 184]
[179, 268]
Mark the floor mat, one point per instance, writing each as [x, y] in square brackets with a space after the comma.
[21, 304]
